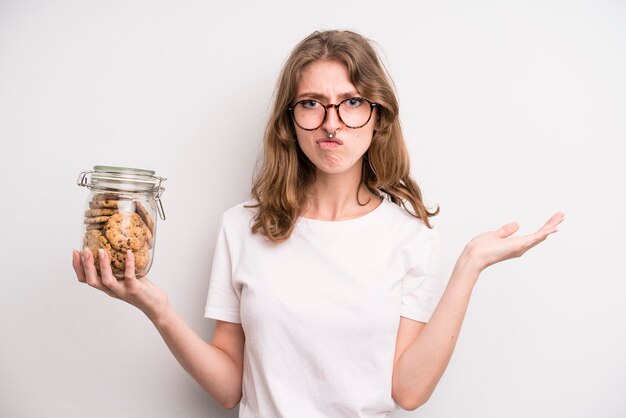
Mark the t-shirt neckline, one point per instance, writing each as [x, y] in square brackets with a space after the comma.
[347, 225]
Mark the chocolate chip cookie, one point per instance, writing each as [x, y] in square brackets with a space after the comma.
[92, 213]
[97, 220]
[126, 231]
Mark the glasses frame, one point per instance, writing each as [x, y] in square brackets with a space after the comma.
[328, 106]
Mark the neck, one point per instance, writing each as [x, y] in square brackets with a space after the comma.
[333, 197]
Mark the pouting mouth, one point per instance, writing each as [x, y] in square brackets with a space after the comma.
[335, 140]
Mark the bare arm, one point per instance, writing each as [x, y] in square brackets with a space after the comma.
[217, 367]
[218, 371]
[423, 361]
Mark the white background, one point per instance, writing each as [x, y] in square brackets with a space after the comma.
[511, 111]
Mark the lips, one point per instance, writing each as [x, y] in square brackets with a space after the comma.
[329, 140]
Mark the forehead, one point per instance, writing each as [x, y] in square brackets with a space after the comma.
[327, 78]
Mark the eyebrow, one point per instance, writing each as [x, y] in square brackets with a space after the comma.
[321, 97]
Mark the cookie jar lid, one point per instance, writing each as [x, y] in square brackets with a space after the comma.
[124, 179]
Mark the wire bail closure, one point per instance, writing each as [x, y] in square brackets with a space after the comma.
[157, 198]
[83, 180]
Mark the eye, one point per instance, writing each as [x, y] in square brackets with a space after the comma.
[309, 104]
[354, 102]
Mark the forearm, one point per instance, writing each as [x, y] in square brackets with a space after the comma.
[424, 361]
[211, 367]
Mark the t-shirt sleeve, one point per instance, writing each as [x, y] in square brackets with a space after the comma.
[223, 299]
[423, 283]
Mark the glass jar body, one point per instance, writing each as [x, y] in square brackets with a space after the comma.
[120, 215]
[117, 222]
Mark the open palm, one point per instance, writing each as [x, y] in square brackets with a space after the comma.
[492, 247]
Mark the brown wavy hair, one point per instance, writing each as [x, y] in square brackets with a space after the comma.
[280, 185]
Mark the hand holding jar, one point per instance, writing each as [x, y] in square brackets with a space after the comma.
[139, 292]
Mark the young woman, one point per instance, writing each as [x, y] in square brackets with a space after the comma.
[325, 285]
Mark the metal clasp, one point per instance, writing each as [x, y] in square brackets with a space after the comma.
[157, 197]
[82, 179]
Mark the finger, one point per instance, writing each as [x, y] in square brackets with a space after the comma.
[556, 219]
[129, 269]
[77, 264]
[507, 230]
[549, 227]
[542, 233]
[108, 280]
[91, 275]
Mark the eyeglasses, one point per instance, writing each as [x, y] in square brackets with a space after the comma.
[354, 112]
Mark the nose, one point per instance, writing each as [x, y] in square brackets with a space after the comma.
[332, 121]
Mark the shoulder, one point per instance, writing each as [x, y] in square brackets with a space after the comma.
[241, 213]
[237, 219]
[409, 233]
[418, 244]
[399, 219]
[240, 210]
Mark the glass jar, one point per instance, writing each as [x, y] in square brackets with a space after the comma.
[120, 215]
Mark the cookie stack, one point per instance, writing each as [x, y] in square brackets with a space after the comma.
[118, 224]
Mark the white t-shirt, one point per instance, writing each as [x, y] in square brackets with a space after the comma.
[320, 311]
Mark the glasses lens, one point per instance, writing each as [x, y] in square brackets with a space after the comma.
[355, 112]
[309, 114]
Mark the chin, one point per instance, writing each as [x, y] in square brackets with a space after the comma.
[336, 169]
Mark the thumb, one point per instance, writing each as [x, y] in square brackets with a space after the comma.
[508, 229]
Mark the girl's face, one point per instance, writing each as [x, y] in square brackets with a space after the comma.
[329, 82]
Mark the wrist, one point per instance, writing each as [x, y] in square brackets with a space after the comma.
[159, 315]
[468, 267]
